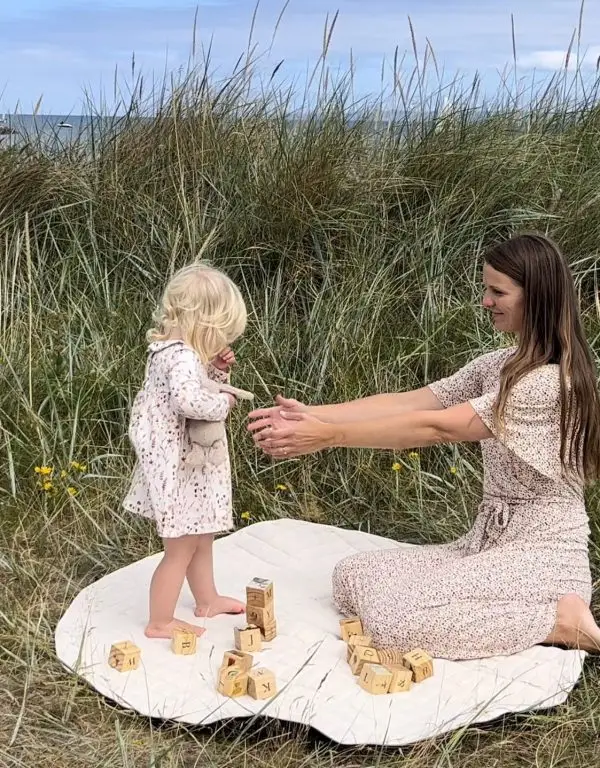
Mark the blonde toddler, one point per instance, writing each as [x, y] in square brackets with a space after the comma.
[201, 314]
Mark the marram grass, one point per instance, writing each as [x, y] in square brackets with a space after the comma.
[357, 247]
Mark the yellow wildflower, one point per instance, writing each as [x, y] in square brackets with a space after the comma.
[396, 466]
[63, 474]
[245, 515]
[453, 470]
[281, 487]
[43, 470]
[72, 491]
[413, 455]
[47, 485]
[79, 467]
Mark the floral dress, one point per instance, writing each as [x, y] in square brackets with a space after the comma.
[181, 499]
[494, 590]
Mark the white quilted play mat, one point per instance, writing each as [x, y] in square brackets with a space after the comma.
[316, 686]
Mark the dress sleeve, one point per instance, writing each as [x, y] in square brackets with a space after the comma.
[531, 428]
[189, 390]
[463, 385]
[215, 374]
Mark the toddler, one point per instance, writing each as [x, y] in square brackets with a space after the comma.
[202, 312]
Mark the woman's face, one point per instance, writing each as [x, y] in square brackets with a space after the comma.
[504, 300]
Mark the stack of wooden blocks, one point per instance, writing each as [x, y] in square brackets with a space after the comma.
[382, 670]
[260, 610]
[236, 676]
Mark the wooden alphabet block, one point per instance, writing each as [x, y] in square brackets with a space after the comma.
[351, 626]
[375, 679]
[269, 631]
[259, 593]
[354, 640]
[237, 659]
[363, 655]
[401, 679]
[247, 639]
[389, 656]
[260, 616]
[124, 657]
[233, 682]
[261, 683]
[420, 663]
[183, 643]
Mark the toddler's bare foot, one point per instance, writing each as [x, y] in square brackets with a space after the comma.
[219, 605]
[165, 629]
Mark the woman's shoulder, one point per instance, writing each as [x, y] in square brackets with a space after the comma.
[541, 384]
[494, 360]
[544, 377]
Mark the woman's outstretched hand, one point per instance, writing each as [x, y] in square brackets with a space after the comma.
[290, 433]
[268, 417]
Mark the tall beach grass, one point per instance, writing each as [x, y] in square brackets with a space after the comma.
[355, 234]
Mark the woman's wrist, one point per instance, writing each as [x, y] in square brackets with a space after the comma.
[335, 435]
[321, 412]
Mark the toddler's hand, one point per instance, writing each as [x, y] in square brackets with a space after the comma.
[224, 360]
[232, 400]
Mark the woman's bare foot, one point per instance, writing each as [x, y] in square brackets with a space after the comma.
[575, 626]
[220, 604]
[165, 629]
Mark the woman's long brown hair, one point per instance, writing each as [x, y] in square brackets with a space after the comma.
[552, 332]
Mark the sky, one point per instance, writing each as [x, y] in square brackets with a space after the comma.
[52, 52]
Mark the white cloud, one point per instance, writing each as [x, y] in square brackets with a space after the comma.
[50, 53]
[62, 45]
[557, 59]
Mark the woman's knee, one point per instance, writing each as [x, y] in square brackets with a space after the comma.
[337, 577]
[387, 629]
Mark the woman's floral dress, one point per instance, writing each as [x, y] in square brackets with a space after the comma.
[494, 590]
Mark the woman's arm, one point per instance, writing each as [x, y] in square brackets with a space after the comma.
[412, 429]
[416, 429]
[376, 406]
[355, 411]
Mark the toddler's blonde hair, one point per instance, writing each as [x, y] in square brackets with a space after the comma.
[205, 306]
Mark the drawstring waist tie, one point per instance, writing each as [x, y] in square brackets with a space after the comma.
[494, 516]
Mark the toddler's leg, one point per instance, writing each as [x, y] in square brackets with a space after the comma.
[200, 577]
[165, 588]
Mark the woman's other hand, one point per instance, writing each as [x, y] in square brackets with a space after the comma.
[266, 417]
[295, 433]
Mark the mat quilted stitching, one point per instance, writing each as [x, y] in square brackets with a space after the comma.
[316, 686]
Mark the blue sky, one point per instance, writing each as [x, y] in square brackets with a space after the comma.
[55, 49]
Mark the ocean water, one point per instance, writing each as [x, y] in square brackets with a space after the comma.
[58, 131]
[49, 130]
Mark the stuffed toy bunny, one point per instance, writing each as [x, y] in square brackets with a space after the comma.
[208, 437]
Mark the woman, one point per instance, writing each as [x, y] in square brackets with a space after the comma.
[521, 575]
